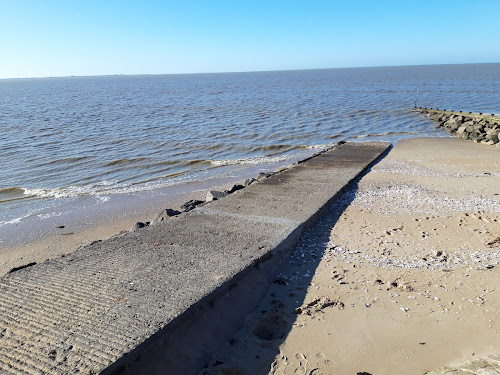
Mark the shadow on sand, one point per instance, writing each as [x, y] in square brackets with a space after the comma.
[254, 348]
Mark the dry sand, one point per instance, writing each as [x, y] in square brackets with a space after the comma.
[401, 276]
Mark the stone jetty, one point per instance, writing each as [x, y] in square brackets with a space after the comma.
[479, 127]
[163, 298]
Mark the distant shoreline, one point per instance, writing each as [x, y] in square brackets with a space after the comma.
[244, 72]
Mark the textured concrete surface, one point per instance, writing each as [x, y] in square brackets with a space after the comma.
[162, 299]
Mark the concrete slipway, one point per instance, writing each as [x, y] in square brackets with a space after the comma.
[162, 299]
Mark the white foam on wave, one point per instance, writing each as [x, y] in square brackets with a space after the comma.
[78, 191]
[256, 160]
[12, 221]
[251, 160]
[70, 191]
[16, 220]
[321, 147]
[49, 215]
[103, 190]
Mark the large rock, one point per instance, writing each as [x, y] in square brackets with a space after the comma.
[493, 135]
[464, 135]
[249, 181]
[479, 137]
[164, 215]
[264, 176]
[454, 122]
[213, 195]
[475, 134]
[235, 188]
[485, 142]
[191, 205]
[138, 225]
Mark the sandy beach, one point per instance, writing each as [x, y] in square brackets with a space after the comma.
[399, 277]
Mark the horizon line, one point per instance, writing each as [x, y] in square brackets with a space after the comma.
[238, 71]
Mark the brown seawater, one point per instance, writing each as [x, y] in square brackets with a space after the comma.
[92, 139]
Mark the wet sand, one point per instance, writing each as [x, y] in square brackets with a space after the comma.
[399, 277]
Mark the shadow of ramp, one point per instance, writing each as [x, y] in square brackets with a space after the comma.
[187, 343]
[254, 348]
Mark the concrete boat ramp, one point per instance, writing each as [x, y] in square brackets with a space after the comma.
[162, 299]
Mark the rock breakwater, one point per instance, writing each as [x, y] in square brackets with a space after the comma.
[478, 127]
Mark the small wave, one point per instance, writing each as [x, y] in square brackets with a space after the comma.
[11, 191]
[364, 113]
[370, 135]
[320, 147]
[251, 160]
[11, 194]
[254, 122]
[277, 148]
[101, 191]
[106, 187]
[216, 146]
[164, 163]
[122, 162]
[148, 184]
[70, 160]
[70, 191]
[197, 162]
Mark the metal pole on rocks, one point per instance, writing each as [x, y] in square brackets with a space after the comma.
[418, 88]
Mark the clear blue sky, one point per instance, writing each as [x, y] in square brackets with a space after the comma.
[41, 38]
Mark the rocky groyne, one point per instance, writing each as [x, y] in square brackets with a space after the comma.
[478, 127]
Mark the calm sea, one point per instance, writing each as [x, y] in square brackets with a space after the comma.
[73, 137]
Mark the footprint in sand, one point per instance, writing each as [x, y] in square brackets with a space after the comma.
[300, 364]
[395, 230]
[317, 305]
